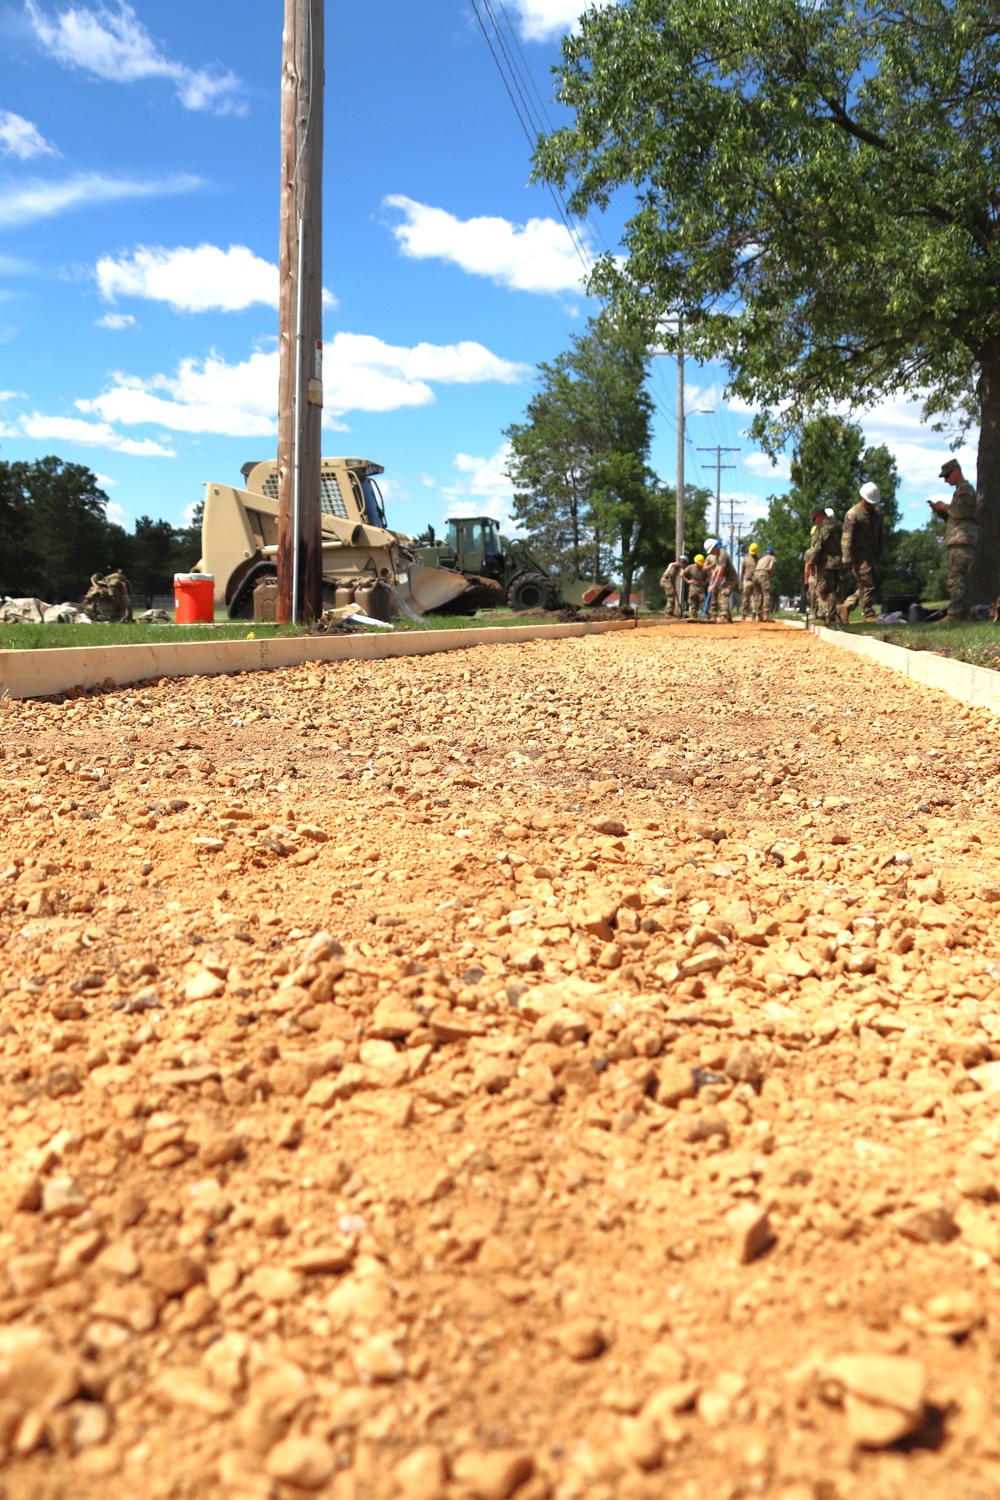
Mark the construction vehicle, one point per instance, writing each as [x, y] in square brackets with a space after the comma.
[496, 574]
[362, 558]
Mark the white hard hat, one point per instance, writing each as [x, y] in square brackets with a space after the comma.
[871, 494]
[710, 545]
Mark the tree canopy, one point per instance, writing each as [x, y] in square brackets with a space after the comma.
[579, 463]
[817, 193]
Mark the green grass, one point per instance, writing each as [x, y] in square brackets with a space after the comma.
[977, 641]
[32, 637]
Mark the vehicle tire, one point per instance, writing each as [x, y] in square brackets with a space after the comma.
[532, 591]
[241, 604]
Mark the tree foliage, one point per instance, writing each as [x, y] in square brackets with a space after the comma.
[830, 462]
[55, 533]
[579, 462]
[816, 186]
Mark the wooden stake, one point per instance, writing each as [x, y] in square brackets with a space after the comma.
[300, 314]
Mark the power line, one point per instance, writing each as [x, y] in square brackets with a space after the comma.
[560, 206]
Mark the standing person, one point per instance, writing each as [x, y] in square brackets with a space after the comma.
[696, 577]
[724, 580]
[823, 563]
[668, 583]
[861, 551]
[961, 537]
[747, 567]
[762, 584]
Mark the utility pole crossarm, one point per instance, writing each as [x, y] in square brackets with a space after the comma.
[718, 450]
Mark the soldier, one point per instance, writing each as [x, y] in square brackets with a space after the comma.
[670, 582]
[823, 563]
[696, 578]
[747, 567]
[961, 537]
[762, 584]
[861, 551]
[724, 580]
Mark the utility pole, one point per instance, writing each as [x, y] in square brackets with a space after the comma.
[679, 536]
[718, 450]
[732, 521]
[300, 315]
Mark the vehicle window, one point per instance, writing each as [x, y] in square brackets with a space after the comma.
[453, 536]
[492, 542]
[374, 509]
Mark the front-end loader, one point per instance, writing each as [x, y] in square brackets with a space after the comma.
[499, 574]
[239, 541]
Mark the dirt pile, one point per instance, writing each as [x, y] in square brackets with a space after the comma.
[569, 1069]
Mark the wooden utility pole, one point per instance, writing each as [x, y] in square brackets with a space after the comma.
[718, 450]
[300, 314]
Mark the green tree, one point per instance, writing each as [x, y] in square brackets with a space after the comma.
[829, 464]
[816, 186]
[920, 563]
[580, 461]
[152, 558]
[659, 544]
[63, 534]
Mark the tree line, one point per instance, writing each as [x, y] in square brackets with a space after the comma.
[55, 533]
[815, 195]
[830, 462]
[584, 492]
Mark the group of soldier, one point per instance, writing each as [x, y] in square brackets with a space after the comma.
[705, 586]
[836, 551]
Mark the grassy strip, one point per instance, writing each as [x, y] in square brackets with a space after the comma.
[32, 637]
[977, 642]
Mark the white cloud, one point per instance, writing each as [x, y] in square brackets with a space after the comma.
[204, 279]
[539, 256]
[91, 434]
[482, 488]
[115, 320]
[361, 373]
[105, 481]
[20, 138]
[26, 202]
[759, 463]
[542, 20]
[113, 44]
[8, 395]
[115, 513]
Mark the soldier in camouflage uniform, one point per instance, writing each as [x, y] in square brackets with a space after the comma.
[696, 577]
[961, 537]
[747, 569]
[762, 584]
[724, 580]
[669, 584]
[823, 564]
[109, 599]
[861, 551]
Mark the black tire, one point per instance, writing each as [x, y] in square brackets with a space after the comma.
[241, 604]
[532, 591]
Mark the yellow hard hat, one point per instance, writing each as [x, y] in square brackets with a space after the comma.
[753, 549]
[699, 558]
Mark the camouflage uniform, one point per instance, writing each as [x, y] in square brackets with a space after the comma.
[861, 549]
[824, 559]
[722, 594]
[668, 583]
[961, 537]
[762, 585]
[109, 599]
[747, 568]
[696, 578]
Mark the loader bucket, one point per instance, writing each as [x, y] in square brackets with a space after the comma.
[427, 589]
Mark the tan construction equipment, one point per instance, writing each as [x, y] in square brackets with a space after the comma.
[239, 543]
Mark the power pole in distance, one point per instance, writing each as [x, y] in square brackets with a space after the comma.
[718, 450]
[300, 315]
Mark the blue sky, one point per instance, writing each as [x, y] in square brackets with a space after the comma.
[139, 153]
